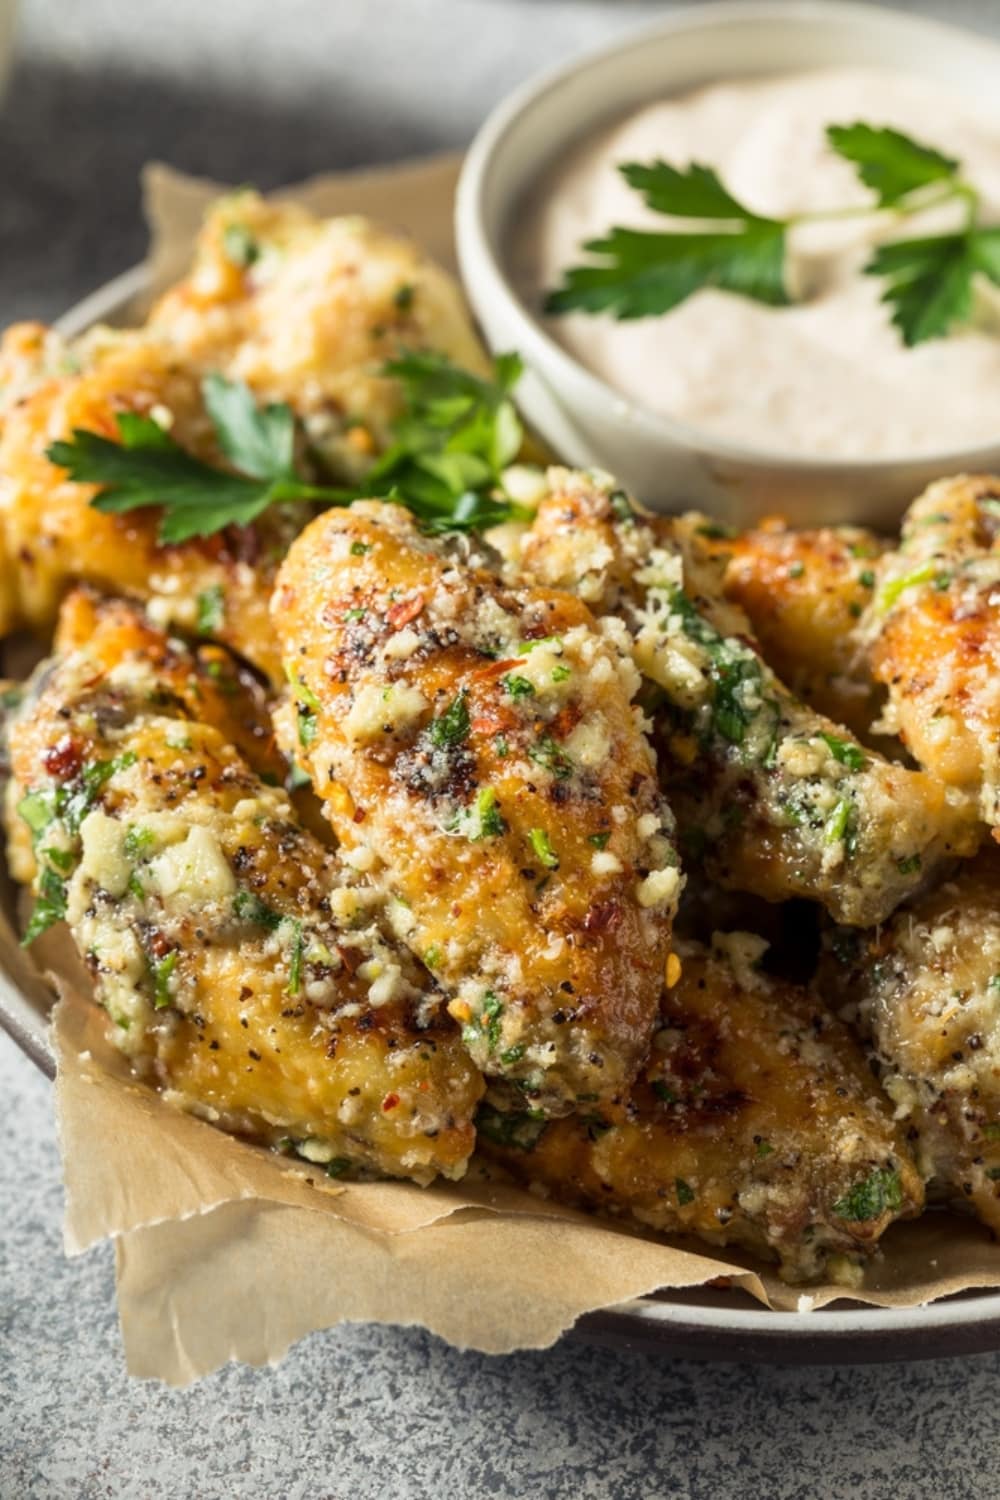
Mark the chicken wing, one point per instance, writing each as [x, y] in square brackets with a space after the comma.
[478, 753]
[934, 632]
[925, 989]
[805, 593]
[242, 969]
[308, 311]
[770, 796]
[51, 537]
[755, 1122]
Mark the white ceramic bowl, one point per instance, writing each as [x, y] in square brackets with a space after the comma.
[665, 462]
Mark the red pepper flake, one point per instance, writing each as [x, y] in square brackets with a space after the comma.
[402, 613]
[63, 759]
[389, 1102]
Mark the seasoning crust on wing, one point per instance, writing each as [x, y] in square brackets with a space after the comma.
[805, 593]
[241, 968]
[478, 753]
[934, 636]
[770, 797]
[308, 311]
[755, 1122]
[925, 988]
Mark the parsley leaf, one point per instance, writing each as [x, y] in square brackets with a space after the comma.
[929, 281]
[642, 273]
[888, 162]
[147, 467]
[455, 436]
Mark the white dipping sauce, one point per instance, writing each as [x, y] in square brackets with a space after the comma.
[830, 375]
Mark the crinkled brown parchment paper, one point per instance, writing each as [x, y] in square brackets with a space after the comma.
[225, 1252]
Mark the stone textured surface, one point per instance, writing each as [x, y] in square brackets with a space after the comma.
[247, 89]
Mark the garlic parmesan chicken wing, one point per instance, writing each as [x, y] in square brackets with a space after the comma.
[755, 1122]
[51, 537]
[242, 969]
[478, 754]
[926, 992]
[805, 593]
[934, 633]
[308, 311]
[770, 797]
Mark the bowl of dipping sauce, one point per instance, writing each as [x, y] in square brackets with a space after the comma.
[813, 405]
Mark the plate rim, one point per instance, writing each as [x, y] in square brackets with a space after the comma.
[668, 1324]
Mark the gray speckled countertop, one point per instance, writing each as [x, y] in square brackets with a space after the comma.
[244, 89]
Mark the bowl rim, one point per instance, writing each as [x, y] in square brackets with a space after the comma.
[481, 260]
[700, 1323]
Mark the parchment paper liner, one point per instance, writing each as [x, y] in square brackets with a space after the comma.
[226, 1252]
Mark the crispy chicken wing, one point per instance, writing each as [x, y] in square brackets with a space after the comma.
[242, 969]
[804, 593]
[478, 753]
[308, 311]
[934, 632]
[51, 537]
[770, 796]
[755, 1122]
[926, 991]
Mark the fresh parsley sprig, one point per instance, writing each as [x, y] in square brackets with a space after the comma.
[455, 436]
[928, 280]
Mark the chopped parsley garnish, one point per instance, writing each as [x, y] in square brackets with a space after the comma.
[840, 826]
[849, 755]
[880, 1192]
[663, 1091]
[358, 549]
[486, 816]
[50, 905]
[545, 752]
[138, 841]
[451, 727]
[928, 281]
[248, 907]
[163, 969]
[306, 726]
[295, 957]
[239, 246]
[304, 695]
[764, 1149]
[69, 805]
[517, 686]
[908, 866]
[211, 610]
[544, 851]
[337, 1166]
[685, 1193]
[561, 673]
[485, 1026]
[891, 591]
[599, 840]
[518, 1132]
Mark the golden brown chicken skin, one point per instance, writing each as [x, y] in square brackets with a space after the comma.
[770, 796]
[934, 634]
[241, 969]
[51, 537]
[805, 593]
[925, 989]
[478, 753]
[755, 1122]
[309, 311]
